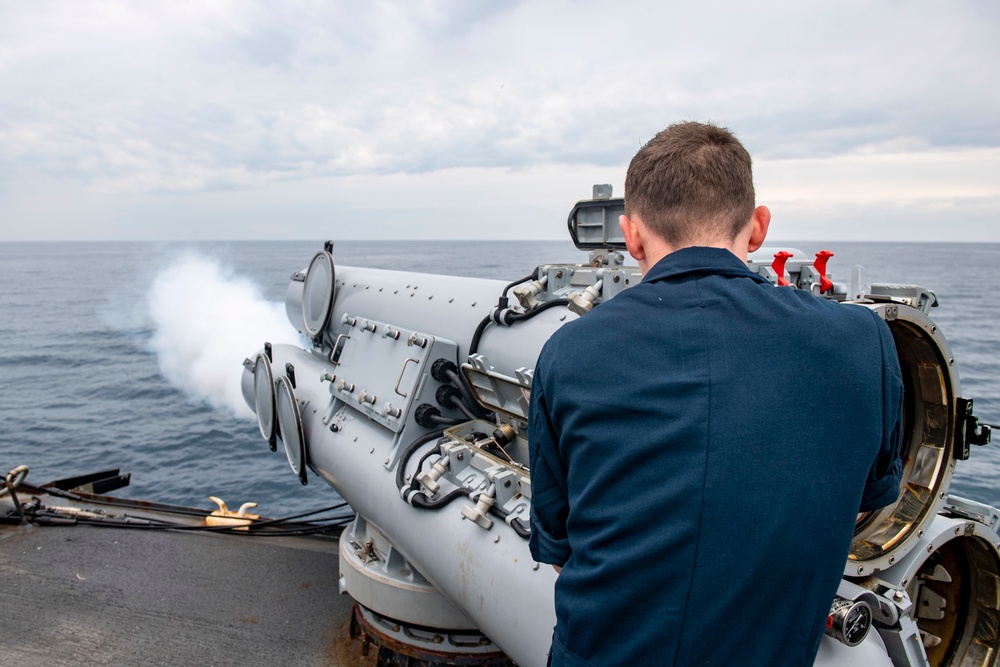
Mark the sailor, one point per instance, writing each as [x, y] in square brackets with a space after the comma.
[702, 443]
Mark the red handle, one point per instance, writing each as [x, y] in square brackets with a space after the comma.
[779, 266]
[825, 284]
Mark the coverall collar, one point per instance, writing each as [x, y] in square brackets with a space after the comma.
[698, 259]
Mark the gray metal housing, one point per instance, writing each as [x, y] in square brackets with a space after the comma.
[466, 564]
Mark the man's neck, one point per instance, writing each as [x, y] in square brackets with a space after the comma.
[648, 248]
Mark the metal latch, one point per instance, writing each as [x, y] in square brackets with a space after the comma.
[968, 430]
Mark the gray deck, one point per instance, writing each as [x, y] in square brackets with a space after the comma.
[84, 595]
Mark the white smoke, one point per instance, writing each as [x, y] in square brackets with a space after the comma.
[206, 322]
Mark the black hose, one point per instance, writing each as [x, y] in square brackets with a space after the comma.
[520, 528]
[444, 421]
[120, 502]
[227, 530]
[257, 524]
[510, 318]
[50, 518]
[288, 519]
[420, 501]
[501, 305]
[470, 401]
[463, 408]
[414, 484]
[408, 452]
[517, 524]
[474, 344]
[517, 282]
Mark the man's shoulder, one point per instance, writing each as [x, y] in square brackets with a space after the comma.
[851, 333]
[851, 313]
[611, 317]
[672, 304]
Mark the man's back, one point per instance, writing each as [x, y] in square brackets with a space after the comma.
[700, 446]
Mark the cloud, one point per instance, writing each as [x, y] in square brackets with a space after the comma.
[152, 101]
[882, 176]
[884, 195]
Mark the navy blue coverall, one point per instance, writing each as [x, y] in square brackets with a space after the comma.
[700, 447]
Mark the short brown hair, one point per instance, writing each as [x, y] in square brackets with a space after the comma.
[691, 182]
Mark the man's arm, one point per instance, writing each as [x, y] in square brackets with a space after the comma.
[549, 502]
[882, 486]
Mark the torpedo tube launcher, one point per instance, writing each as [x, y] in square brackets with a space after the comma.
[412, 403]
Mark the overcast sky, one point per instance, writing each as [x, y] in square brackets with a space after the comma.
[469, 119]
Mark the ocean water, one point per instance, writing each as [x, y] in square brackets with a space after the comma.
[118, 355]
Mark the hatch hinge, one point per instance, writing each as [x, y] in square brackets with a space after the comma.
[968, 430]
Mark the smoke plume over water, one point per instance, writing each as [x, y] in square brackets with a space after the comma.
[206, 321]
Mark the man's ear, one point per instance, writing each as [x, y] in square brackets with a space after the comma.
[761, 220]
[633, 239]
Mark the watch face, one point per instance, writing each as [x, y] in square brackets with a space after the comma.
[857, 623]
[849, 621]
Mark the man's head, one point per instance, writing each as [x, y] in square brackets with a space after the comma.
[692, 184]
